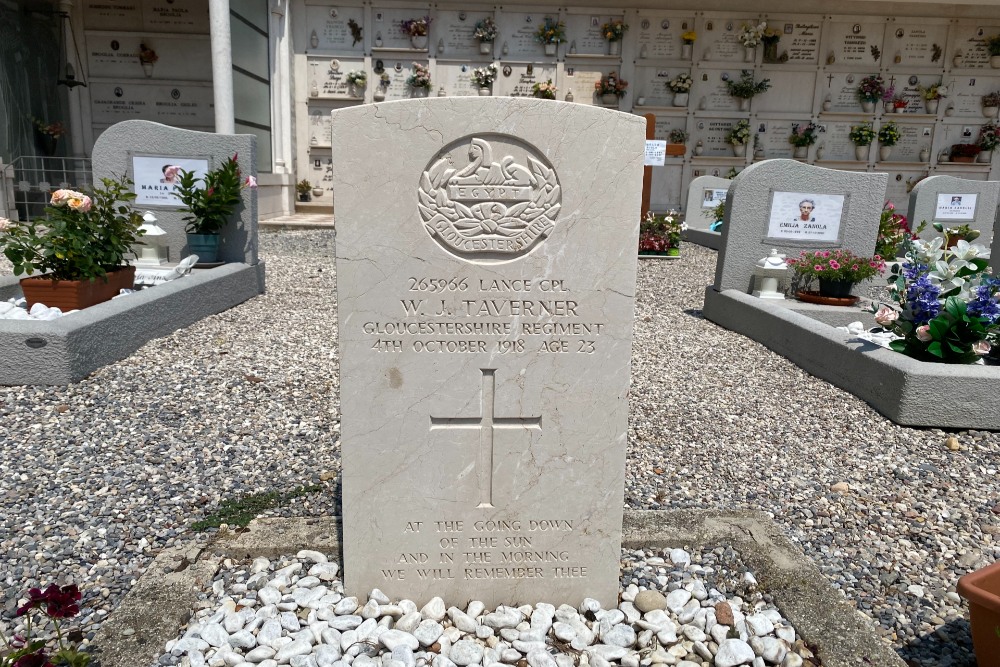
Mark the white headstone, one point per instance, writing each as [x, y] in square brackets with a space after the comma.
[955, 201]
[704, 194]
[486, 254]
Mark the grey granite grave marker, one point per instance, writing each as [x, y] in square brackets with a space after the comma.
[703, 195]
[762, 213]
[931, 200]
[115, 148]
[486, 277]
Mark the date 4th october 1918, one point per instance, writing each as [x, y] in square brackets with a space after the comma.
[554, 346]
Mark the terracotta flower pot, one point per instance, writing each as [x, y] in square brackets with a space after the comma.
[982, 589]
[76, 294]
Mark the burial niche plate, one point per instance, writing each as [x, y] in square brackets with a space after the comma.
[489, 198]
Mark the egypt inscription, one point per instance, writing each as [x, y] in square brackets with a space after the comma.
[483, 208]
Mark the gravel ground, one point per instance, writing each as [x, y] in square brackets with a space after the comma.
[97, 477]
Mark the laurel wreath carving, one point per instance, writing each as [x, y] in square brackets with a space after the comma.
[487, 218]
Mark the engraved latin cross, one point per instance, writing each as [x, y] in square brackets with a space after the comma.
[487, 424]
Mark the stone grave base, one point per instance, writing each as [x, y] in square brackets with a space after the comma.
[703, 237]
[161, 601]
[69, 348]
[907, 391]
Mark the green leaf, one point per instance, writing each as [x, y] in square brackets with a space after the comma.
[935, 349]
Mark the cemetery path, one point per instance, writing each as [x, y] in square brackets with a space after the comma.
[98, 477]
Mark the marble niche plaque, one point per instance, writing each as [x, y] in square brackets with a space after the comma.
[920, 45]
[913, 138]
[772, 137]
[336, 28]
[965, 94]
[583, 33]
[970, 39]
[651, 84]
[516, 40]
[457, 78]
[189, 106]
[518, 79]
[712, 134]
[799, 40]
[791, 92]
[328, 77]
[455, 31]
[658, 36]
[581, 82]
[856, 43]
[841, 89]
[116, 56]
[718, 40]
[485, 319]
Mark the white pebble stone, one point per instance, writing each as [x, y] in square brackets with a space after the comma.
[679, 557]
[260, 653]
[428, 632]
[215, 634]
[311, 556]
[243, 639]
[466, 652]
[393, 638]
[792, 660]
[771, 649]
[733, 652]
[297, 647]
[759, 624]
[434, 609]
[541, 658]
[677, 599]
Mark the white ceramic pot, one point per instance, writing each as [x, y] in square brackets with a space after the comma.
[609, 99]
[681, 99]
[550, 49]
[985, 156]
[740, 150]
[931, 105]
[686, 51]
[800, 152]
[744, 104]
[484, 92]
[418, 41]
[990, 112]
[749, 54]
[884, 152]
[861, 153]
[867, 107]
[995, 62]
[486, 48]
[615, 48]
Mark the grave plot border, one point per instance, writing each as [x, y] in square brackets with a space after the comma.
[907, 391]
[67, 349]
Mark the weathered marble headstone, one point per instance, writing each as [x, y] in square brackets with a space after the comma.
[763, 212]
[704, 194]
[114, 153]
[953, 202]
[486, 257]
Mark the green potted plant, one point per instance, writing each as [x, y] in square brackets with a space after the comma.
[993, 46]
[746, 88]
[802, 137]
[611, 88]
[485, 32]
[888, 136]
[80, 245]
[862, 136]
[675, 141]
[738, 137]
[837, 271]
[982, 589]
[946, 303]
[549, 34]
[304, 190]
[614, 32]
[211, 205]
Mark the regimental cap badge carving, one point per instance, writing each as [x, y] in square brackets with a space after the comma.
[483, 207]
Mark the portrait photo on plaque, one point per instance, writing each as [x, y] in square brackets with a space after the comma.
[955, 208]
[154, 177]
[805, 216]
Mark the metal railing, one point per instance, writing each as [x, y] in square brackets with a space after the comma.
[28, 181]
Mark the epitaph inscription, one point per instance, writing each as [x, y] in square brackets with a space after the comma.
[479, 201]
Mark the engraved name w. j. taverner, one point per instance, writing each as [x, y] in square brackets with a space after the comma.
[479, 207]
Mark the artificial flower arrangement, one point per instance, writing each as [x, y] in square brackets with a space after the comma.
[611, 84]
[421, 77]
[689, 37]
[544, 90]
[750, 34]
[681, 83]
[485, 76]
[486, 30]
[677, 136]
[899, 102]
[770, 36]
[614, 31]
[893, 231]
[418, 27]
[356, 31]
[211, 204]
[746, 87]
[55, 603]
[803, 135]
[384, 79]
[991, 99]
[933, 92]
[147, 56]
[551, 32]
[889, 134]
[946, 306]
[872, 89]
[739, 134]
[989, 137]
[836, 266]
[862, 135]
[55, 129]
[357, 78]
[660, 233]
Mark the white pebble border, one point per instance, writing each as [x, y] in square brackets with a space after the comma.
[293, 611]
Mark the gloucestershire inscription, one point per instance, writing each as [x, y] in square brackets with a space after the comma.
[482, 208]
